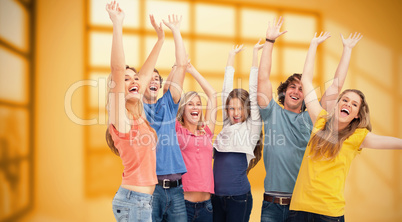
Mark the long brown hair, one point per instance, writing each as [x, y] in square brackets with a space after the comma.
[180, 112]
[109, 139]
[327, 141]
[244, 98]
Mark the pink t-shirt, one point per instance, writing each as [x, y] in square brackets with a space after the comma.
[197, 155]
[137, 151]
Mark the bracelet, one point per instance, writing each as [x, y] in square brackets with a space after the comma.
[269, 40]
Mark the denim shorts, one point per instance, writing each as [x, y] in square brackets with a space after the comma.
[132, 206]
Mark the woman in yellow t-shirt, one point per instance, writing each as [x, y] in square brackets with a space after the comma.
[336, 138]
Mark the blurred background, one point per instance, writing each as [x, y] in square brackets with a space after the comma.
[54, 60]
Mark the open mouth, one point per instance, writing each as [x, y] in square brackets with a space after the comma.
[153, 88]
[295, 98]
[237, 118]
[345, 111]
[194, 113]
[133, 89]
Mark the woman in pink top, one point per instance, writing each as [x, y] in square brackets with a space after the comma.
[195, 139]
[129, 134]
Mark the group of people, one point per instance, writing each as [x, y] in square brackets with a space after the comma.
[174, 171]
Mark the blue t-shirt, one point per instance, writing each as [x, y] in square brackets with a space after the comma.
[230, 174]
[285, 140]
[162, 117]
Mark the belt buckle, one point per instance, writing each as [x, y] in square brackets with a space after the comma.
[281, 201]
[164, 184]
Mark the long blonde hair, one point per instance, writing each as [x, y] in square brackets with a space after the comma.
[244, 98]
[180, 112]
[109, 139]
[327, 141]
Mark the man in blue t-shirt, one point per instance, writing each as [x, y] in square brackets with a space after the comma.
[287, 130]
[168, 200]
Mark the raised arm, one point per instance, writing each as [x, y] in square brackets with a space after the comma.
[310, 97]
[264, 88]
[256, 48]
[229, 74]
[117, 108]
[176, 84]
[147, 69]
[381, 142]
[328, 100]
[168, 81]
[210, 112]
[253, 82]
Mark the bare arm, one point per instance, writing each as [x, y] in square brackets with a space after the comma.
[381, 142]
[256, 48]
[117, 108]
[168, 81]
[328, 100]
[310, 97]
[147, 69]
[210, 112]
[177, 79]
[264, 87]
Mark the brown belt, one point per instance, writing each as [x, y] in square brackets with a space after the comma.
[277, 200]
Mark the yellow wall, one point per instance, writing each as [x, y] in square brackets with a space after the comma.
[374, 185]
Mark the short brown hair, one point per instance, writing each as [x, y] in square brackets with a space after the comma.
[284, 86]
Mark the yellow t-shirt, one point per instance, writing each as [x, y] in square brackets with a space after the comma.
[320, 184]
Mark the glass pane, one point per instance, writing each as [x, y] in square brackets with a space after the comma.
[166, 57]
[14, 188]
[99, 16]
[215, 20]
[97, 94]
[212, 56]
[294, 61]
[161, 10]
[13, 24]
[254, 23]
[302, 27]
[104, 173]
[13, 132]
[13, 78]
[101, 45]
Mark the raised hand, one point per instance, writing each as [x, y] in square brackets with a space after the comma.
[174, 22]
[158, 29]
[321, 38]
[258, 46]
[273, 31]
[236, 49]
[352, 40]
[116, 14]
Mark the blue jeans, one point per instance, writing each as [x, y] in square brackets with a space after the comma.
[168, 205]
[132, 206]
[272, 212]
[301, 216]
[232, 208]
[199, 211]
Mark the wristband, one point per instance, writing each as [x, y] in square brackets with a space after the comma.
[269, 40]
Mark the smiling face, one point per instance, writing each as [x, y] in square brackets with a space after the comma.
[236, 111]
[151, 92]
[348, 108]
[132, 84]
[294, 97]
[193, 111]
